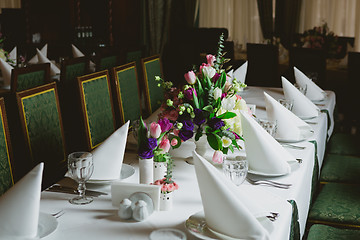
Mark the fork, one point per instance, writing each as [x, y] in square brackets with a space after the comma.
[58, 214]
[269, 183]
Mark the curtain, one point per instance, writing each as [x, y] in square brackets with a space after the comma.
[357, 28]
[10, 4]
[158, 18]
[265, 8]
[287, 20]
[241, 18]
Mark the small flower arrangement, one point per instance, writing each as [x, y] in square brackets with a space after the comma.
[167, 184]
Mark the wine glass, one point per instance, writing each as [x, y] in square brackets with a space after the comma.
[236, 169]
[81, 167]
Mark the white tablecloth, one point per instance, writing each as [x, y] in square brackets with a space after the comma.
[99, 220]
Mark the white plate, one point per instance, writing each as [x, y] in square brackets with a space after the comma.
[167, 234]
[293, 165]
[47, 224]
[306, 132]
[126, 172]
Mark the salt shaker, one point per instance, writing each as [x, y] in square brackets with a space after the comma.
[125, 210]
[140, 211]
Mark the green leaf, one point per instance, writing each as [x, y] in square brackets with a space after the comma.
[198, 135]
[208, 108]
[214, 141]
[196, 101]
[231, 148]
[225, 150]
[207, 82]
[142, 132]
[227, 115]
[222, 80]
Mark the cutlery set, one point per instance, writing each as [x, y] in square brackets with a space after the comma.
[269, 183]
[70, 190]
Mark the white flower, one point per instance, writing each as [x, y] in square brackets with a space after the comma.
[241, 105]
[228, 103]
[217, 93]
[226, 142]
[209, 71]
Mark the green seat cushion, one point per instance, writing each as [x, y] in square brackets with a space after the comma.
[344, 144]
[340, 168]
[324, 232]
[338, 204]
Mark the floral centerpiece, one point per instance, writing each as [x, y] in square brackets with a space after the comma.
[208, 105]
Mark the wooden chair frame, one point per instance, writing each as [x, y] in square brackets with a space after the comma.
[32, 68]
[73, 61]
[116, 84]
[144, 61]
[88, 78]
[105, 55]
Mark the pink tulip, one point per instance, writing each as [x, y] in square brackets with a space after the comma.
[165, 145]
[218, 156]
[174, 142]
[190, 77]
[210, 59]
[155, 130]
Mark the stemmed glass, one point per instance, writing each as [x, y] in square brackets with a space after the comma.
[81, 167]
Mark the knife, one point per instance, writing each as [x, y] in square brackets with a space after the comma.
[63, 189]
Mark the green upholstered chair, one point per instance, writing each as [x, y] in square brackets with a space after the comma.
[73, 68]
[135, 56]
[97, 107]
[42, 126]
[324, 232]
[344, 144]
[127, 92]
[338, 205]
[6, 167]
[30, 76]
[106, 61]
[154, 94]
[341, 169]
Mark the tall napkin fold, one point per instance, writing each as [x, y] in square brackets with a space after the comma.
[302, 107]
[230, 210]
[6, 72]
[264, 154]
[19, 207]
[108, 157]
[54, 70]
[13, 55]
[240, 73]
[77, 53]
[34, 59]
[313, 92]
[289, 126]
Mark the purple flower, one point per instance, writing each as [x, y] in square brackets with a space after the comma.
[187, 125]
[216, 77]
[236, 136]
[185, 134]
[199, 116]
[223, 95]
[216, 123]
[165, 124]
[189, 93]
[147, 147]
[146, 154]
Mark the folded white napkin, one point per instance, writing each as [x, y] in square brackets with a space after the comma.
[229, 210]
[289, 126]
[264, 154]
[77, 53]
[6, 72]
[13, 55]
[313, 92]
[240, 73]
[34, 59]
[54, 70]
[302, 107]
[19, 207]
[108, 157]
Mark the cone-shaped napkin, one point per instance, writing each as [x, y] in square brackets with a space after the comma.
[6, 72]
[240, 73]
[34, 59]
[77, 53]
[230, 210]
[313, 92]
[19, 207]
[42, 59]
[265, 155]
[303, 107]
[108, 157]
[13, 55]
[289, 126]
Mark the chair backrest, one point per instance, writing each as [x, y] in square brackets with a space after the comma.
[310, 61]
[127, 92]
[30, 76]
[263, 65]
[6, 166]
[153, 94]
[106, 62]
[73, 68]
[42, 125]
[97, 107]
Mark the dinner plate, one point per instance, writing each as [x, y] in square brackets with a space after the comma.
[126, 172]
[47, 224]
[305, 132]
[293, 166]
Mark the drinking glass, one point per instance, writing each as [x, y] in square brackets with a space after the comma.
[235, 169]
[269, 126]
[81, 167]
[302, 89]
[287, 103]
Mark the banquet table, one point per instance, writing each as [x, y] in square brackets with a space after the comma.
[99, 220]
